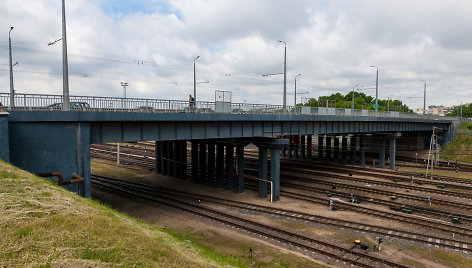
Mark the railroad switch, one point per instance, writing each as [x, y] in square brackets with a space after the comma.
[393, 197]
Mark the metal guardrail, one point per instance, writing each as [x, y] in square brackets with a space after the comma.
[90, 103]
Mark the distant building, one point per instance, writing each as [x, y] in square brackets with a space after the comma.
[435, 110]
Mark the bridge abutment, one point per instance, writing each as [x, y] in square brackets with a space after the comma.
[45, 147]
[262, 161]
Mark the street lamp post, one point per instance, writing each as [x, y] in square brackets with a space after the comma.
[353, 96]
[424, 99]
[295, 99]
[12, 90]
[65, 66]
[376, 87]
[124, 85]
[195, 80]
[284, 107]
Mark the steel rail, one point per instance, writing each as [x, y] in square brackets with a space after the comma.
[455, 244]
[260, 229]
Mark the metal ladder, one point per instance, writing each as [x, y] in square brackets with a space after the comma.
[433, 153]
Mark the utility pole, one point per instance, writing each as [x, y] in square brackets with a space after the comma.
[284, 106]
[353, 96]
[295, 99]
[376, 88]
[424, 99]
[65, 66]
[195, 80]
[12, 89]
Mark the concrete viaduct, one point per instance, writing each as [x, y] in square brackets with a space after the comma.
[59, 141]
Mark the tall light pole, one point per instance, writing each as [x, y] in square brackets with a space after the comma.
[65, 66]
[353, 96]
[295, 99]
[424, 99]
[376, 87]
[195, 80]
[124, 85]
[284, 107]
[12, 90]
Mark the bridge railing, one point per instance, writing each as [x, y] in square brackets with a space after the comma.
[91, 103]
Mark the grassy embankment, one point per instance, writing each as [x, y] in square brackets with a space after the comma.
[461, 148]
[43, 225]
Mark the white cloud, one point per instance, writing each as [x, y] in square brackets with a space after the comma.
[332, 43]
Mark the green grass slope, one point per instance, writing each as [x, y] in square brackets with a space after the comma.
[461, 148]
[43, 225]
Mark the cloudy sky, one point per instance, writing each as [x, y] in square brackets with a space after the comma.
[152, 44]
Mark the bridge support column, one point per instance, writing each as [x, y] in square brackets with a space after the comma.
[357, 149]
[302, 147]
[309, 145]
[320, 147]
[262, 186]
[158, 156]
[240, 166]
[229, 184]
[336, 149]
[284, 148]
[344, 149]
[329, 146]
[163, 158]
[392, 152]
[296, 148]
[427, 139]
[393, 148]
[211, 164]
[352, 150]
[183, 159]
[166, 157]
[203, 163]
[195, 161]
[362, 144]
[290, 147]
[176, 159]
[220, 165]
[275, 171]
[173, 156]
[382, 153]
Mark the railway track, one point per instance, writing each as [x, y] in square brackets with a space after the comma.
[304, 244]
[425, 200]
[422, 222]
[148, 163]
[428, 211]
[458, 183]
[125, 159]
[377, 182]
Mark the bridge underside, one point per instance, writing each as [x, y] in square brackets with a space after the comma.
[43, 142]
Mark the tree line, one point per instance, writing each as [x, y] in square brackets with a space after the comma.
[466, 110]
[361, 101]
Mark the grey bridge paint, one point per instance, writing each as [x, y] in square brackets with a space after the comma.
[57, 141]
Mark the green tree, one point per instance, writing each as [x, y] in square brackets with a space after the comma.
[361, 101]
[466, 110]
